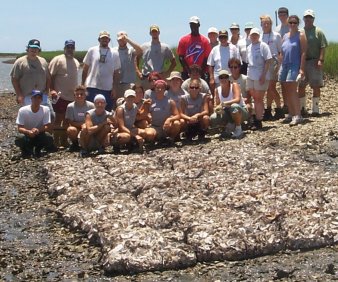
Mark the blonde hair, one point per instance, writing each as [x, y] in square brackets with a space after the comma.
[265, 18]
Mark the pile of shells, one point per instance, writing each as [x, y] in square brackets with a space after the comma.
[175, 207]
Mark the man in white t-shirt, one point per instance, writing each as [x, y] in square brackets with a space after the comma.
[100, 70]
[34, 122]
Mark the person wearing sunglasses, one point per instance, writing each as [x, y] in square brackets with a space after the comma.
[314, 62]
[292, 68]
[64, 70]
[195, 111]
[75, 116]
[230, 111]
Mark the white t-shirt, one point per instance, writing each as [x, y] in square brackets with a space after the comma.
[257, 55]
[219, 58]
[28, 119]
[100, 73]
[274, 40]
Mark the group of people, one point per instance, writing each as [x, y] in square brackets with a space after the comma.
[127, 96]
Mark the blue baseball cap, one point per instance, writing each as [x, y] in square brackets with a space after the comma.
[69, 42]
[36, 93]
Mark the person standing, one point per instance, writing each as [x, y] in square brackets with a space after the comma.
[293, 63]
[194, 48]
[243, 44]
[30, 72]
[64, 78]
[33, 125]
[155, 53]
[213, 36]
[314, 62]
[127, 54]
[274, 41]
[283, 27]
[259, 59]
[219, 57]
[100, 69]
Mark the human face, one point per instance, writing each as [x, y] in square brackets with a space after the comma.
[234, 31]
[308, 21]
[234, 69]
[69, 50]
[283, 17]
[223, 79]
[155, 34]
[160, 88]
[175, 83]
[223, 39]
[104, 41]
[212, 37]
[130, 100]
[194, 89]
[293, 23]
[80, 95]
[266, 26]
[100, 106]
[33, 52]
[254, 38]
[36, 100]
[139, 94]
[194, 27]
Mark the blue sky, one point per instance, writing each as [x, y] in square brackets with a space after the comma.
[52, 22]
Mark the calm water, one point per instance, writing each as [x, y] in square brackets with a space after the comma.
[5, 69]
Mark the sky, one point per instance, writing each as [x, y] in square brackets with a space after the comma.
[52, 22]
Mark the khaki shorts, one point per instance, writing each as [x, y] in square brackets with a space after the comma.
[313, 75]
[274, 69]
[255, 85]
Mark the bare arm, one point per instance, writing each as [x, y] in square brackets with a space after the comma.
[17, 89]
[303, 48]
[120, 121]
[84, 73]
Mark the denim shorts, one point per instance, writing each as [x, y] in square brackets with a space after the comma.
[288, 73]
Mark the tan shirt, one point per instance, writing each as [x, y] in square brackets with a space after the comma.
[31, 74]
[64, 72]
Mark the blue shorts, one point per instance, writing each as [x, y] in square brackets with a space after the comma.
[288, 73]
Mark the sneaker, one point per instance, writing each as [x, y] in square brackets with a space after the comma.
[267, 115]
[237, 134]
[296, 120]
[287, 119]
[279, 114]
[101, 150]
[84, 153]
[258, 125]
[304, 113]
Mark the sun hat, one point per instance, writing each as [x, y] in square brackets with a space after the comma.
[212, 30]
[223, 72]
[154, 27]
[223, 32]
[175, 74]
[249, 25]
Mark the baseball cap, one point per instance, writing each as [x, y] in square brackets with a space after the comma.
[154, 27]
[223, 72]
[283, 10]
[36, 93]
[223, 32]
[212, 30]
[99, 97]
[248, 25]
[309, 13]
[255, 30]
[129, 92]
[175, 74]
[120, 34]
[104, 34]
[194, 19]
[34, 43]
[234, 25]
[70, 42]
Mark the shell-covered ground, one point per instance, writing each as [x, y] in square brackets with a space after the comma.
[176, 206]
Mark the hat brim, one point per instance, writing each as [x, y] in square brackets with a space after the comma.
[34, 46]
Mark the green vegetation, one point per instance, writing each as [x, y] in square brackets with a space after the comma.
[330, 65]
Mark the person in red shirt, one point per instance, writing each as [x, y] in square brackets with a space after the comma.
[194, 48]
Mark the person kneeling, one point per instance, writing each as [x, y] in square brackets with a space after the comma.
[230, 111]
[94, 134]
[34, 122]
[125, 117]
[195, 110]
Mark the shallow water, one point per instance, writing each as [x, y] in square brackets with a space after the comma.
[5, 69]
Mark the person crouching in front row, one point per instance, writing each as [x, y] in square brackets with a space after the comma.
[98, 123]
[34, 125]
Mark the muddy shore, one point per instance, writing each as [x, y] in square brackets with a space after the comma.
[36, 244]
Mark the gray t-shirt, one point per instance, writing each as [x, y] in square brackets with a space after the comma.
[176, 97]
[193, 106]
[154, 56]
[77, 113]
[129, 115]
[160, 110]
[127, 71]
[204, 86]
[97, 119]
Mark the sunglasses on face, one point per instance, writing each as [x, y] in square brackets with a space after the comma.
[293, 22]
[224, 77]
[194, 87]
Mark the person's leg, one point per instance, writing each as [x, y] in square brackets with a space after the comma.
[173, 130]
[25, 144]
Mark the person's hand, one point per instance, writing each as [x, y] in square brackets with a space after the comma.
[20, 99]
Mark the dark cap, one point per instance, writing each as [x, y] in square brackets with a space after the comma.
[223, 32]
[283, 10]
[34, 43]
[70, 42]
[36, 93]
